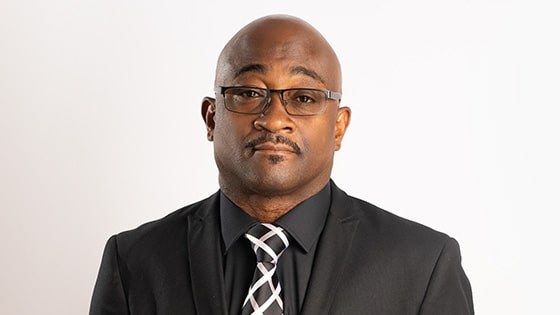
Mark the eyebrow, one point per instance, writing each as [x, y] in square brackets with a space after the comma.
[259, 68]
[307, 72]
[255, 67]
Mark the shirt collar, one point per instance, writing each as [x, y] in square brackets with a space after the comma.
[304, 223]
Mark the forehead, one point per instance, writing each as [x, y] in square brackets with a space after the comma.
[286, 51]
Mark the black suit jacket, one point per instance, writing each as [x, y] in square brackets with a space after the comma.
[368, 261]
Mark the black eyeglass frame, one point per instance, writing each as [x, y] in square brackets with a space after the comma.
[330, 95]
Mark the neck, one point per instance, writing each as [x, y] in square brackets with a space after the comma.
[268, 208]
[265, 210]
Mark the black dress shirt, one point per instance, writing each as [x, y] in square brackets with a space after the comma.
[304, 224]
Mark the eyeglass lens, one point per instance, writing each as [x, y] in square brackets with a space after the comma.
[254, 100]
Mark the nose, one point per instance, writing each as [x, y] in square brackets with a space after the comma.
[275, 118]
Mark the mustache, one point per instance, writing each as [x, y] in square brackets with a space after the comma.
[273, 139]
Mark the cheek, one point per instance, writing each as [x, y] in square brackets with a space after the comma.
[226, 125]
[321, 137]
[230, 132]
[223, 124]
[227, 141]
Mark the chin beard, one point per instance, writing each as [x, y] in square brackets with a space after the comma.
[275, 159]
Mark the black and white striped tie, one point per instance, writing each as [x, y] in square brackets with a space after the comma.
[264, 298]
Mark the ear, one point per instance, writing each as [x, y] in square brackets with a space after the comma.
[208, 111]
[342, 122]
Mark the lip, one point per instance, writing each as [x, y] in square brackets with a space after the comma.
[273, 147]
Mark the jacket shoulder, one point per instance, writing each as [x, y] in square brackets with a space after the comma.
[388, 222]
[386, 226]
[404, 267]
[162, 233]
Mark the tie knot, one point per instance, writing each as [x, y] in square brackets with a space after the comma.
[268, 242]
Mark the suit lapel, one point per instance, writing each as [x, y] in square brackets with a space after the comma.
[333, 248]
[205, 259]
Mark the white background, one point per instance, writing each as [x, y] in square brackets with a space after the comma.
[455, 125]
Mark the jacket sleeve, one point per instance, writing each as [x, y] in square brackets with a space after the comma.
[109, 296]
[449, 290]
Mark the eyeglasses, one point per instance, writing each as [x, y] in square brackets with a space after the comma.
[297, 101]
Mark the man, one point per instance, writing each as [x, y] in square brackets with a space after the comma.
[275, 124]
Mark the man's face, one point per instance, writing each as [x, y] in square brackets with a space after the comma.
[274, 153]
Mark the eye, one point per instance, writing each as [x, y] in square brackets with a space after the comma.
[306, 97]
[248, 93]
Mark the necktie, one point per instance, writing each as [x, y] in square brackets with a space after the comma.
[268, 242]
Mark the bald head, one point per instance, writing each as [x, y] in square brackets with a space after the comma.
[279, 44]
